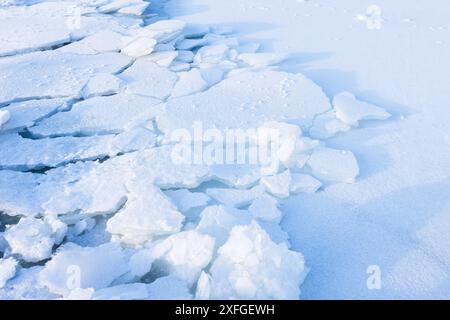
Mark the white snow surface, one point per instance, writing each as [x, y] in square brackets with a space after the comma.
[95, 204]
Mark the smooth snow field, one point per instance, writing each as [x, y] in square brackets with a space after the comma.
[212, 149]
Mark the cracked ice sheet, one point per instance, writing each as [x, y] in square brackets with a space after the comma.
[93, 188]
[45, 25]
[109, 114]
[26, 154]
[252, 98]
[53, 74]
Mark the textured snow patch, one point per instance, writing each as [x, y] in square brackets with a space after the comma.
[334, 165]
[251, 266]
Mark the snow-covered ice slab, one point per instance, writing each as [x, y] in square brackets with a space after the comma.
[26, 154]
[33, 239]
[53, 74]
[28, 113]
[109, 114]
[147, 78]
[148, 213]
[252, 99]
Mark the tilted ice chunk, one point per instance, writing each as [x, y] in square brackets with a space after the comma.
[252, 99]
[53, 74]
[251, 266]
[222, 30]
[304, 183]
[139, 47]
[212, 74]
[212, 54]
[189, 82]
[163, 58]
[25, 154]
[146, 78]
[265, 208]
[74, 267]
[278, 185]
[26, 114]
[327, 125]
[351, 111]
[261, 59]
[148, 213]
[102, 84]
[217, 221]
[109, 114]
[284, 136]
[186, 200]
[334, 165]
[169, 288]
[184, 254]
[185, 56]
[189, 44]
[239, 176]
[7, 270]
[234, 197]
[33, 239]
[101, 41]
[4, 117]
[164, 30]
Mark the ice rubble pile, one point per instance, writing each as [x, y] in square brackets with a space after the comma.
[92, 205]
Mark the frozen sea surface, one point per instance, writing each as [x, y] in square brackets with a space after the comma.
[114, 175]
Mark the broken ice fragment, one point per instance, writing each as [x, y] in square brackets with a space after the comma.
[217, 222]
[186, 200]
[304, 183]
[147, 214]
[234, 197]
[33, 239]
[184, 254]
[265, 208]
[278, 185]
[251, 266]
[351, 111]
[101, 85]
[139, 47]
[74, 267]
